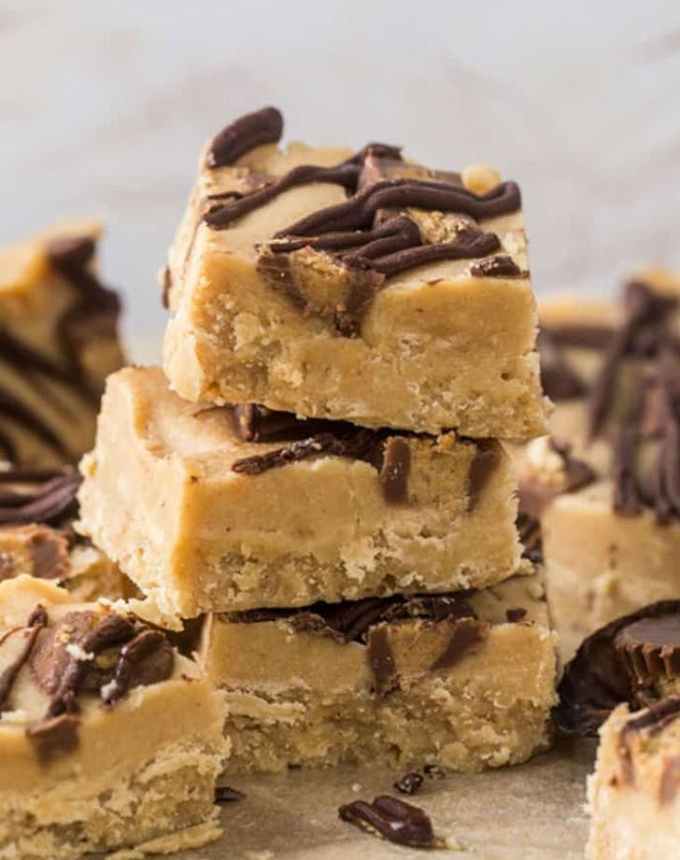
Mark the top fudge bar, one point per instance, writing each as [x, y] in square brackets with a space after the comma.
[353, 286]
[58, 342]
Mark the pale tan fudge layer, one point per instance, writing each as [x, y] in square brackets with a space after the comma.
[599, 564]
[633, 793]
[141, 769]
[300, 697]
[49, 553]
[50, 401]
[160, 497]
[438, 348]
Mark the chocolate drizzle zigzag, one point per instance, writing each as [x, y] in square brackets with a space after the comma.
[645, 335]
[70, 257]
[45, 496]
[370, 234]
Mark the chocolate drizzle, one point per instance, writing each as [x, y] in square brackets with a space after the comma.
[47, 496]
[71, 258]
[367, 621]
[642, 330]
[358, 212]
[36, 622]
[500, 266]
[621, 662]
[393, 819]
[243, 135]
[388, 453]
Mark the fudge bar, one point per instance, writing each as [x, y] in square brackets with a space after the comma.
[461, 680]
[634, 793]
[353, 286]
[605, 486]
[58, 342]
[37, 538]
[223, 508]
[108, 737]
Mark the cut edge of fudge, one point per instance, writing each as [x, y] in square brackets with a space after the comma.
[110, 738]
[199, 518]
[264, 313]
[633, 793]
[325, 685]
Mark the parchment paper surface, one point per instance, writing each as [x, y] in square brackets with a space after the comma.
[531, 812]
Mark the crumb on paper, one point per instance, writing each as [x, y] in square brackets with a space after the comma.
[356, 788]
[452, 843]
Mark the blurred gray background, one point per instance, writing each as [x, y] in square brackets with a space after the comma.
[104, 106]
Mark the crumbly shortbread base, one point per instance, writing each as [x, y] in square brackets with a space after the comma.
[171, 791]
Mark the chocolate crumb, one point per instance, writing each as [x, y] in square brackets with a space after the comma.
[515, 615]
[410, 783]
[227, 794]
[392, 819]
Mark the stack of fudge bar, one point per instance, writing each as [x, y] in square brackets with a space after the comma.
[317, 469]
[606, 484]
[108, 736]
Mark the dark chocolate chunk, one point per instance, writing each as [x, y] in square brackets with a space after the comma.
[484, 464]
[603, 674]
[466, 634]
[500, 266]
[529, 529]
[395, 470]
[243, 135]
[227, 794]
[54, 736]
[381, 660]
[410, 783]
[148, 659]
[393, 819]
[515, 614]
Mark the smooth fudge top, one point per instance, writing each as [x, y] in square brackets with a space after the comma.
[374, 216]
[63, 662]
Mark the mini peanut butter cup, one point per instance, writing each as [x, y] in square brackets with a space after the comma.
[620, 662]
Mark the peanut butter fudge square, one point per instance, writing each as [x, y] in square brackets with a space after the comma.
[355, 286]
[633, 794]
[606, 484]
[37, 538]
[58, 342]
[109, 738]
[462, 680]
[223, 508]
